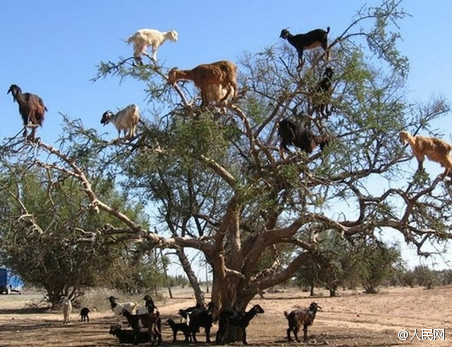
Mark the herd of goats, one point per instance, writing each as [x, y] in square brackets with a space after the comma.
[217, 84]
[146, 322]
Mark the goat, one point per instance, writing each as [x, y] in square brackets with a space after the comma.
[240, 319]
[292, 134]
[175, 327]
[67, 309]
[129, 336]
[118, 308]
[84, 314]
[151, 321]
[311, 39]
[217, 81]
[125, 119]
[31, 108]
[199, 316]
[323, 91]
[297, 318]
[149, 37]
[149, 306]
[433, 148]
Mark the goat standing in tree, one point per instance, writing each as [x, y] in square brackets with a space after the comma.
[323, 92]
[309, 40]
[31, 108]
[433, 148]
[292, 134]
[217, 81]
[144, 38]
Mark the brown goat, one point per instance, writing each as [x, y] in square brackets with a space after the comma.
[31, 108]
[433, 148]
[213, 80]
[297, 318]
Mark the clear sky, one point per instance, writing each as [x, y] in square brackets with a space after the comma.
[51, 48]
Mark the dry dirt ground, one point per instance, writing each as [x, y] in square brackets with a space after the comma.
[351, 319]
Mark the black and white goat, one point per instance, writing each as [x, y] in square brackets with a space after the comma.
[197, 317]
[292, 134]
[124, 120]
[297, 318]
[118, 308]
[240, 319]
[309, 40]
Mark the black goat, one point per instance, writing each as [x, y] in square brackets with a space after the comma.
[84, 314]
[129, 336]
[297, 318]
[311, 39]
[151, 321]
[199, 316]
[175, 327]
[323, 92]
[240, 319]
[292, 134]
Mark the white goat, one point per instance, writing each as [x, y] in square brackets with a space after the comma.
[149, 37]
[66, 305]
[118, 308]
[125, 119]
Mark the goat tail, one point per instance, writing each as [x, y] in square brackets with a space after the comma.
[286, 314]
[327, 30]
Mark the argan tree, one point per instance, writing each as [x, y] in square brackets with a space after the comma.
[216, 180]
[41, 227]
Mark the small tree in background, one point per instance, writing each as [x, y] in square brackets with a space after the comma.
[41, 229]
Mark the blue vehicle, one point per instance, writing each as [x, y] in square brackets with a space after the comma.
[9, 283]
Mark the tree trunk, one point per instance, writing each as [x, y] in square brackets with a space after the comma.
[186, 265]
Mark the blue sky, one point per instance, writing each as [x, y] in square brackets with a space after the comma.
[51, 48]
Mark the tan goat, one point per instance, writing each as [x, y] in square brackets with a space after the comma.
[216, 81]
[433, 148]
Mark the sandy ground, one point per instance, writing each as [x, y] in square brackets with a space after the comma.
[351, 319]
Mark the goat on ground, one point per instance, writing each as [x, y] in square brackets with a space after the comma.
[240, 319]
[433, 148]
[149, 305]
[297, 318]
[129, 336]
[151, 321]
[66, 306]
[118, 308]
[144, 38]
[323, 92]
[217, 81]
[309, 40]
[84, 314]
[175, 327]
[199, 316]
[292, 134]
[124, 120]
[31, 109]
